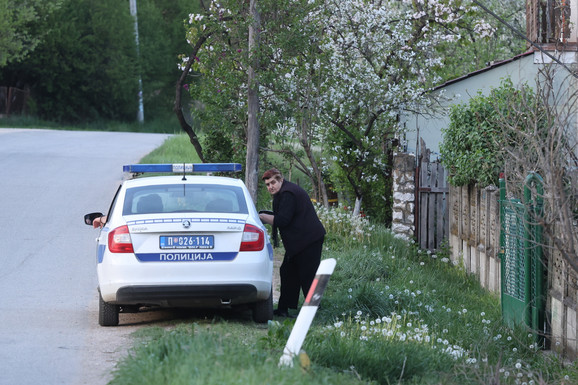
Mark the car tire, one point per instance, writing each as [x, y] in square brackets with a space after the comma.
[263, 310]
[107, 313]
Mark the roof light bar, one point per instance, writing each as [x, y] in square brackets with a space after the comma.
[183, 167]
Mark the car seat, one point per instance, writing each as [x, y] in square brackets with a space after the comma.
[151, 203]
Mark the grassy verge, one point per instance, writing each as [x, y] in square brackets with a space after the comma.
[167, 125]
[176, 149]
[392, 314]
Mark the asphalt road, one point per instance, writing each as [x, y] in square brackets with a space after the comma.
[49, 331]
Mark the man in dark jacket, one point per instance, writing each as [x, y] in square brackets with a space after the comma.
[302, 234]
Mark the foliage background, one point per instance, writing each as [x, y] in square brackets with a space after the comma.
[85, 66]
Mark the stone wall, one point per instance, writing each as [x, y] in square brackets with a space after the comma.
[404, 195]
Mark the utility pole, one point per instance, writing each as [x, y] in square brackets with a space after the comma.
[133, 12]
[252, 159]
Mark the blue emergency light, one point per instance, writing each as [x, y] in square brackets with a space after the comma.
[183, 167]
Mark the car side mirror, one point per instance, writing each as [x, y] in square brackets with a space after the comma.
[89, 218]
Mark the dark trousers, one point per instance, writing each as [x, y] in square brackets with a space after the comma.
[297, 273]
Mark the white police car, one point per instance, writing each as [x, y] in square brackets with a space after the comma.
[183, 241]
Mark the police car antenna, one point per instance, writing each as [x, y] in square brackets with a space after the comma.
[184, 173]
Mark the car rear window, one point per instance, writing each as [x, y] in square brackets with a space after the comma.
[184, 198]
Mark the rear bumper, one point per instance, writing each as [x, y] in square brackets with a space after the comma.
[188, 295]
[122, 279]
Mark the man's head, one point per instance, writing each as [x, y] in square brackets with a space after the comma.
[273, 180]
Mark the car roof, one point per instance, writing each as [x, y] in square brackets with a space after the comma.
[189, 179]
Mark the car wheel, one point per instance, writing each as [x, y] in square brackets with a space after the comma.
[107, 313]
[263, 310]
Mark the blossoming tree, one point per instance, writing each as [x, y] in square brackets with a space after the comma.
[334, 75]
[380, 58]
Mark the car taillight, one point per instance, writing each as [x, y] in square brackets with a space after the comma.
[119, 240]
[253, 239]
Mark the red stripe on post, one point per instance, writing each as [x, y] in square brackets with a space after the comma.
[316, 290]
[311, 291]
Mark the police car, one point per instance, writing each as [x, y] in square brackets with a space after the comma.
[182, 241]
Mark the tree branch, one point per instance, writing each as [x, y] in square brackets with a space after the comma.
[179, 89]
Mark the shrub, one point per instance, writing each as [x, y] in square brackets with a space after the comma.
[473, 147]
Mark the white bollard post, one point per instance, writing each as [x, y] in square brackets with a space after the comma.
[307, 313]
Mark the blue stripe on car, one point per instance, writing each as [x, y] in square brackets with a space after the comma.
[270, 250]
[186, 257]
[100, 252]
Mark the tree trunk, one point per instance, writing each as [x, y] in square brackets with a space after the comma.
[252, 160]
[316, 179]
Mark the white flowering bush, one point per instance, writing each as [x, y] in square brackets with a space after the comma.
[341, 223]
[392, 328]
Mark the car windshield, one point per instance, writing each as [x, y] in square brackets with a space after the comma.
[174, 198]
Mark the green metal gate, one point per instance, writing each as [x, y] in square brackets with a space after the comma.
[522, 270]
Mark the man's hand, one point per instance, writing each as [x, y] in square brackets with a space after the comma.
[99, 222]
[267, 218]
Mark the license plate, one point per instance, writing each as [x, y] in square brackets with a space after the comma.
[187, 242]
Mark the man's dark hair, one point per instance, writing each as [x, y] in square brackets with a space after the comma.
[272, 173]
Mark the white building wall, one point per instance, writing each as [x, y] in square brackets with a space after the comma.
[460, 91]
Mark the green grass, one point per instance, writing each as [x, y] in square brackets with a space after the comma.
[221, 353]
[168, 125]
[176, 149]
[391, 314]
